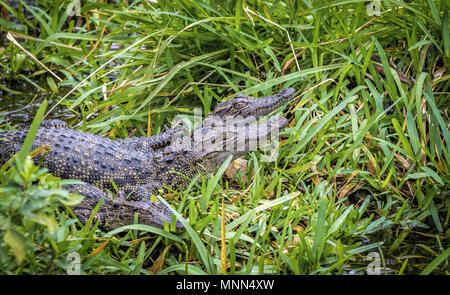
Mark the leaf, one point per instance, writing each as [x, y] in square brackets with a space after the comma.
[99, 248]
[193, 270]
[86, 228]
[201, 249]
[47, 220]
[260, 208]
[269, 51]
[213, 181]
[403, 139]
[139, 260]
[427, 172]
[223, 249]
[72, 199]
[418, 44]
[435, 216]
[144, 228]
[435, 263]
[437, 114]
[159, 262]
[364, 248]
[293, 77]
[17, 242]
[313, 131]
[26, 146]
[51, 83]
[432, 174]
[299, 168]
[335, 226]
[445, 34]
[320, 227]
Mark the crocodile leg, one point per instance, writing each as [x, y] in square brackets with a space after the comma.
[117, 212]
[92, 196]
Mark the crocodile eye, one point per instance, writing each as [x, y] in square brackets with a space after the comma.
[221, 110]
[240, 104]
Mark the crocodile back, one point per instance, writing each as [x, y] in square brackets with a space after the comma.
[73, 154]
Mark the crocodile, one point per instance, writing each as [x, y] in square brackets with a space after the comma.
[240, 106]
[133, 173]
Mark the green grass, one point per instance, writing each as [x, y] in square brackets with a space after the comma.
[363, 166]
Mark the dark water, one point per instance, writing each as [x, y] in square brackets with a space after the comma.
[417, 247]
[20, 108]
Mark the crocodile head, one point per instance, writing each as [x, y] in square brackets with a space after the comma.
[221, 142]
[245, 106]
[207, 148]
[241, 110]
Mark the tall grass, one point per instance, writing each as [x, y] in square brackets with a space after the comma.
[363, 166]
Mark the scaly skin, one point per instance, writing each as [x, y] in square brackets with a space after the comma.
[148, 144]
[100, 162]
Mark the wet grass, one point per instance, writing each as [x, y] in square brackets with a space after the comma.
[362, 171]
